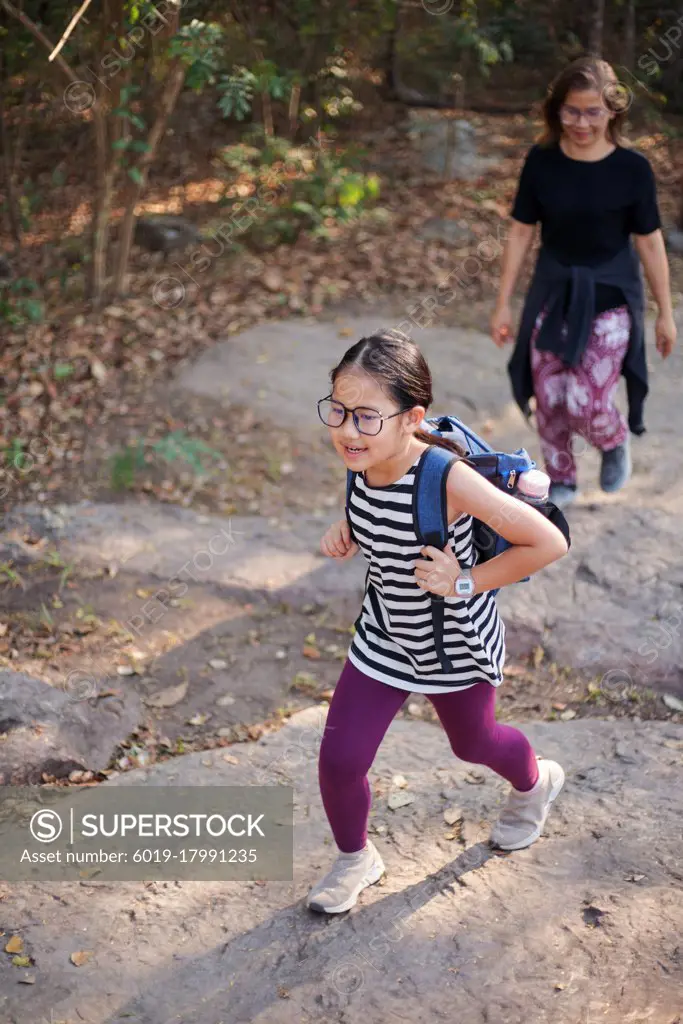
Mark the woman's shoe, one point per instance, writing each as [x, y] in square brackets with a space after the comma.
[563, 495]
[616, 467]
[340, 888]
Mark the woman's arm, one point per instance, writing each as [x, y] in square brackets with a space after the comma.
[519, 242]
[536, 542]
[652, 252]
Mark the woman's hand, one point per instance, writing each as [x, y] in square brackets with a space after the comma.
[665, 334]
[438, 575]
[501, 324]
[337, 541]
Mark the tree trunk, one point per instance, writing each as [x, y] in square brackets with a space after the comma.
[293, 113]
[597, 25]
[630, 34]
[8, 163]
[104, 186]
[266, 103]
[169, 92]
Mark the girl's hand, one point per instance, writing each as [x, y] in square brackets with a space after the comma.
[501, 324]
[438, 575]
[665, 333]
[337, 541]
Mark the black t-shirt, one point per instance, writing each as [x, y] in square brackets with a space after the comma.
[587, 209]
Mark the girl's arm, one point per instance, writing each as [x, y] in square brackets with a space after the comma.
[536, 542]
[652, 252]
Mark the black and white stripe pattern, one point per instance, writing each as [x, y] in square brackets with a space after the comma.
[394, 640]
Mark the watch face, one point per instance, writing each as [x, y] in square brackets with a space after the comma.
[464, 587]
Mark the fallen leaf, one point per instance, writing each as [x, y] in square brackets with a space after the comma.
[633, 877]
[231, 759]
[311, 652]
[282, 992]
[125, 670]
[98, 369]
[273, 280]
[168, 697]
[559, 706]
[452, 815]
[538, 656]
[21, 961]
[27, 979]
[198, 719]
[567, 715]
[3, 628]
[400, 799]
[399, 781]
[225, 701]
[475, 778]
[673, 702]
[141, 592]
[559, 986]
[15, 945]
[81, 957]
[218, 664]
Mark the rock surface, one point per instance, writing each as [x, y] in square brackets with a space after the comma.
[583, 926]
[44, 729]
[613, 606]
[448, 147]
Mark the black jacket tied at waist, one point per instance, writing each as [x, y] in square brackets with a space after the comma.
[568, 295]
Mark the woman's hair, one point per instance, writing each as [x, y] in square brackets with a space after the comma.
[584, 74]
[398, 366]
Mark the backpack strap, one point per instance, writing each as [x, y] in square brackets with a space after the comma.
[430, 516]
[350, 477]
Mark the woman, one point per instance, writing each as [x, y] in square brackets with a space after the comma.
[582, 323]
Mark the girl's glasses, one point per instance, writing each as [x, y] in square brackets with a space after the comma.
[366, 421]
[572, 115]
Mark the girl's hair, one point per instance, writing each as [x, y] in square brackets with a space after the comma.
[398, 366]
[583, 74]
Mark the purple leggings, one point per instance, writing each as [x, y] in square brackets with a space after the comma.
[362, 710]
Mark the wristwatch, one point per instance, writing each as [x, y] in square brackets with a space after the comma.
[464, 584]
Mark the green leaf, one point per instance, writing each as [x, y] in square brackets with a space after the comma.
[134, 173]
[62, 370]
[121, 144]
[34, 310]
[139, 146]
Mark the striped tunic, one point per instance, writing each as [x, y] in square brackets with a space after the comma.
[394, 640]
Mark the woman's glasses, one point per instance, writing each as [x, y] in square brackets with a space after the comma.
[572, 115]
[366, 421]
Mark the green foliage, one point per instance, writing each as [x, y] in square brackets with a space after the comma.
[237, 89]
[236, 93]
[18, 303]
[200, 46]
[319, 188]
[171, 448]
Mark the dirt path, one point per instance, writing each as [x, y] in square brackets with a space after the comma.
[583, 926]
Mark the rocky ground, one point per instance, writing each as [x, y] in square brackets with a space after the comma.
[137, 632]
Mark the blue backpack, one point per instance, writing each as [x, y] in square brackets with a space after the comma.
[430, 504]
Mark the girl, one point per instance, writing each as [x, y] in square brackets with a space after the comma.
[582, 322]
[381, 391]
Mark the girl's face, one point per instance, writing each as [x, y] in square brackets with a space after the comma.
[378, 439]
[584, 117]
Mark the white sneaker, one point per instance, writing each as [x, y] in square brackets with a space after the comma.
[524, 815]
[351, 873]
